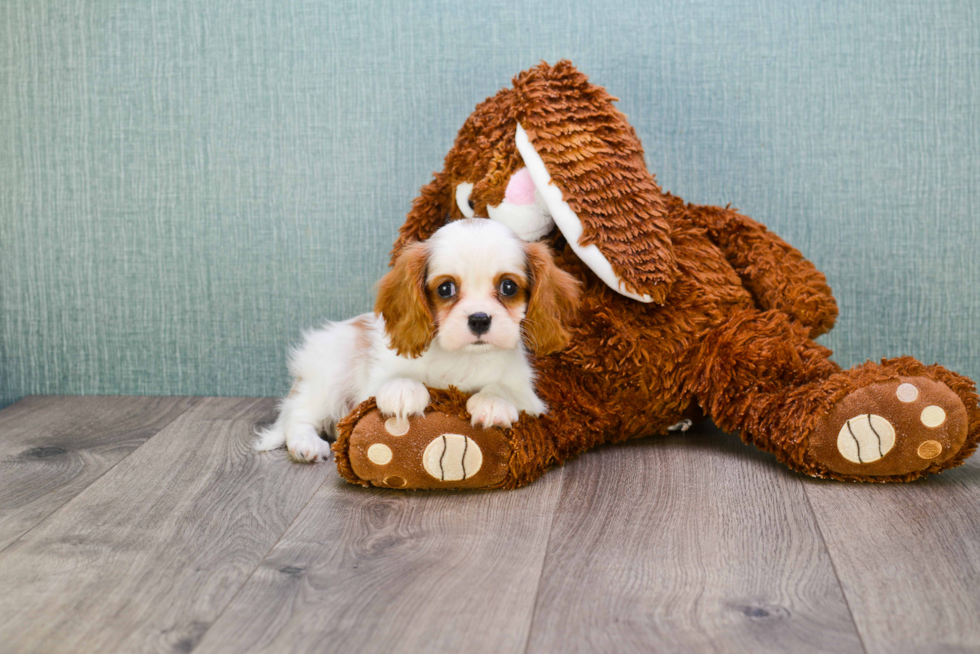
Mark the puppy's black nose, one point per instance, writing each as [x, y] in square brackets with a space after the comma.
[479, 323]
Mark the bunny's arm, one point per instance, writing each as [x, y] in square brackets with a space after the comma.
[776, 273]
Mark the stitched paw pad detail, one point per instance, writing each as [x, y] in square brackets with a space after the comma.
[452, 457]
[865, 438]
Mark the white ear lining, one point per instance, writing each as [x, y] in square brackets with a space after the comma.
[463, 191]
[565, 218]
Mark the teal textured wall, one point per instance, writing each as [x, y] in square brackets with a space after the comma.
[186, 185]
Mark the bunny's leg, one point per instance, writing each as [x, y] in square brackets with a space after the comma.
[762, 376]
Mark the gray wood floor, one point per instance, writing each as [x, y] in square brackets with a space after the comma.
[148, 524]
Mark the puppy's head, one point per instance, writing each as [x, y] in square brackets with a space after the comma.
[475, 286]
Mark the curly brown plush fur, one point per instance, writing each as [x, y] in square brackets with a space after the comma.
[728, 332]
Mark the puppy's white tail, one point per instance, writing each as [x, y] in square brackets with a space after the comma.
[271, 437]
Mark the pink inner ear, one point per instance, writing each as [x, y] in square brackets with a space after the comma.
[520, 188]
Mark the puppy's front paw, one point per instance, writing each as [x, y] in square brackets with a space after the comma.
[403, 398]
[305, 445]
[491, 410]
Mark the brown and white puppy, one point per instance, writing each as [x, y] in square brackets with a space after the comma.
[459, 310]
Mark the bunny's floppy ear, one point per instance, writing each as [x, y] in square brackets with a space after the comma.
[587, 164]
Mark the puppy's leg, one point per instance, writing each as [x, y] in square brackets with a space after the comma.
[305, 445]
[521, 390]
[402, 398]
[326, 370]
[273, 436]
[492, 406]
[303, 414]
[500, 403]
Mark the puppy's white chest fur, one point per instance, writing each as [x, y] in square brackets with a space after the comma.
[469, 371]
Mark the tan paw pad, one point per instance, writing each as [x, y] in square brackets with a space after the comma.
[907, 393]
[397, 426]
[932, 416]
[379, 454]
[452, 457]
[865, 438]
[929, 450]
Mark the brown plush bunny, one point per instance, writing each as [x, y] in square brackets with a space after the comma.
[686, 311]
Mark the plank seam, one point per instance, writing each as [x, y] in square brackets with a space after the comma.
[833, 566]
[544, 559]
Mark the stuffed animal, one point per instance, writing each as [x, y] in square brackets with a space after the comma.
[687, 311]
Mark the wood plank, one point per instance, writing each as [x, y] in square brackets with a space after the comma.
[52, 448]
[147, 556]
[687, 543]
[908, 557]
[370, 570]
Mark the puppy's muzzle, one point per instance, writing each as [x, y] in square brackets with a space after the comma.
[479, 323]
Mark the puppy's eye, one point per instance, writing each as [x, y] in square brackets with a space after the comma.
[508, 288]
[446, 290]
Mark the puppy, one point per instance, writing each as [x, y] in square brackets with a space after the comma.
[459, 310]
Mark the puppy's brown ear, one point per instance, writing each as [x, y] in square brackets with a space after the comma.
[553, 302]
[430, 211]
[402, 302]
[587, 164]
